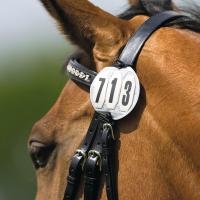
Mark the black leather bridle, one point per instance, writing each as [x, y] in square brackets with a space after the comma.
[96, 154]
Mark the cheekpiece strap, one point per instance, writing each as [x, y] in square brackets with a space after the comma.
[109, 161]
[79, 159]
[88, 158]
[93, 166]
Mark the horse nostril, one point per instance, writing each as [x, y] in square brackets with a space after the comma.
[40, 153]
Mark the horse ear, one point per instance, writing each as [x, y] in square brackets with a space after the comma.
[85, 24]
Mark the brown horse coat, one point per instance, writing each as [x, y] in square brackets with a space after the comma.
[159, 144]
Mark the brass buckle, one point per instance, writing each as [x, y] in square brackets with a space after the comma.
[109, 126]
[81, 153]
[93, 153]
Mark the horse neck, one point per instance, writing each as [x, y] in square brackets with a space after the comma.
[168, 71]
[163, 131]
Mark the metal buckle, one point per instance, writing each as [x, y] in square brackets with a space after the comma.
[81, 153]
[109, 126]
[93, 153]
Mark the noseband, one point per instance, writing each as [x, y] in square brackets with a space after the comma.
[96, 155]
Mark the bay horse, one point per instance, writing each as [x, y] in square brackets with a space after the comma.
[159, 142]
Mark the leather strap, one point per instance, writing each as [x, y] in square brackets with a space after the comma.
[79, 158]
[93, 169]
[73, 179]
[93, 165]
[137, 41]
[80, 73]
[108, 157]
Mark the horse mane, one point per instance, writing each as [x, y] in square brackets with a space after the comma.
[152, 7]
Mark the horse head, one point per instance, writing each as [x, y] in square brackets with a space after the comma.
[159, 144]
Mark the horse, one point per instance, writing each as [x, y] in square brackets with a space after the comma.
[159, 142]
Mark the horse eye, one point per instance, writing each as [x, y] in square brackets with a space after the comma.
[40, 153]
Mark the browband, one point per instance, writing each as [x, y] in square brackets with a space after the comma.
[80, 73]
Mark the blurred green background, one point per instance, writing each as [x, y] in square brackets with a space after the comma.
[26, 93]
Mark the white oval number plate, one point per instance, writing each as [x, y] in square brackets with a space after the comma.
[116, 91]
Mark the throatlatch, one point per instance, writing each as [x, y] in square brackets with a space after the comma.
[114, 93]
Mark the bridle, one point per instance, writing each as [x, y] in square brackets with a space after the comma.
[96, 154]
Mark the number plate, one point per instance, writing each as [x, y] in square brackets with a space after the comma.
[116, 91]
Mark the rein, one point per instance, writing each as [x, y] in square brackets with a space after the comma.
[96, 154]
